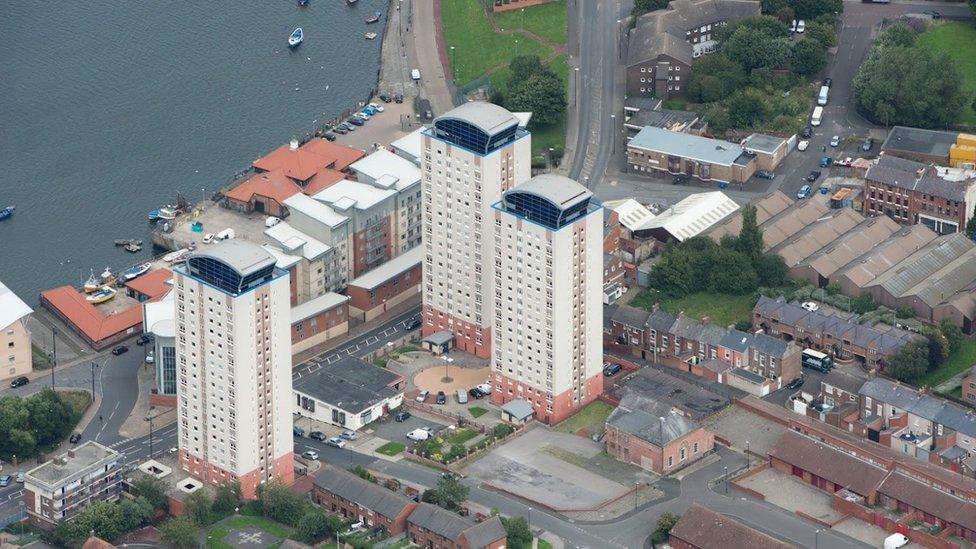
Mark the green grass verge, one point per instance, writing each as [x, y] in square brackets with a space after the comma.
[956, 39]
[391, 448]
[460, 436]
[593, 417]
[958, 362]
[724, 310]
[79, 401]
[39, 358]
[477, 47]
[543, 544]
[216, 534]
[546, 20]
[475, 411]
[381, 361]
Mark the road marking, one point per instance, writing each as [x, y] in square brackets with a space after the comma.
[368, 342]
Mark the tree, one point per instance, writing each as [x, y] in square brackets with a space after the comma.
[773, 6]
[524, 66]
[808, 57]
[823, 33]
[772, 271]
[542, 93]
[152, 489]
[715, 77]
[281, 504]
[785, 14]
[938, 347]
[643, 6]
[732, 273]
[672, 274]
[518, 533]
[909, 86]
[315, 525]
[811, 9]
[198, 507]
[663, 527]
[898, 34]
[910, 362]
[103, 519]
[750, 240]
[863, 304]
[745, 108]
[756, 48]
[972, 8]
[226, 500]
[180, 531]
[952, 333]
[449, 493]
[50, 417]
[136, 513]
[971, 224]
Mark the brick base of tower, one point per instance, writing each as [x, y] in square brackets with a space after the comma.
[562, 404]
[469, 338]
[284, 469]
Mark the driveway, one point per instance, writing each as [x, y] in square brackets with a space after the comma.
[397, 431]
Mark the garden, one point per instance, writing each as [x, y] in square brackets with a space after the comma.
[592, 419]
[448, 446]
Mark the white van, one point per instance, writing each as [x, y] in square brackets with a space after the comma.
[415, 74]
[822, 97]
[817, 116]
[462, 396]
[225, 234]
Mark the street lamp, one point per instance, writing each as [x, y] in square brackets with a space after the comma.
[93, 379]
[613, 134]
[576, 71]
[54, 360]
[516, 47]
[636, 491]
[748, 458]
[150, 420]
[453, 63]
[726, 473]
[551, 152]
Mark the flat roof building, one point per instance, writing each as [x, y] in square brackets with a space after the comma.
[656, 149]
[60, 488]
[348, 392]
[919, 145]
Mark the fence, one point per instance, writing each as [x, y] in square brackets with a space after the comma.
[11, 519]
[461, 92]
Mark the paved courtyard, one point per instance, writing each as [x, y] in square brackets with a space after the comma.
[738, 426]
[562, 471]
[792, 494]
[867, 532]
[397, 430]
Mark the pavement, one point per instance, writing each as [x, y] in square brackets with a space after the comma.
[423, 31]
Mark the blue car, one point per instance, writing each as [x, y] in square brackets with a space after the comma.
[804, 192]
[369, 110]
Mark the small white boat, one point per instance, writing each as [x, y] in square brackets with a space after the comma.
[166, 213]
[296, 38]
[102, 295]
[370, 35]
[137, 270]
[176, 256]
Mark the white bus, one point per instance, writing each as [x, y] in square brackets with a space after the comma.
[817, 116]
[816, 360]
[822, 98]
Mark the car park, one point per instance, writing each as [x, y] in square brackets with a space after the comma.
[5, 481]
[336, 442]
[765, 174]
[835, 141]
[441, 397]
[121, 349]
[143, 339]
[74, 438]
[310, 454]
[807, 132]
[317, 435]
[402, 416]
[423, 395]
[867, 145]
[802, 145]
[814, 175]
[19, 382]
[419, 434]
[348, 435]
[804, 192]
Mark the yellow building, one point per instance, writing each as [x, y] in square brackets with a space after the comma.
[15, 339]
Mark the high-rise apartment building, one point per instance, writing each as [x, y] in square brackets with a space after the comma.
[547, 267]
[469, 157]
[234, 367]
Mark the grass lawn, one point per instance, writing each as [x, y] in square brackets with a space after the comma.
[476, 411]
[958, 362]
[39, 358]
[477, 47]
[593, 417]
[547, 20]
[79, 400]
[724, 310]
[551, 135]
[381, 361]
[460, 436]
[216, 535]
[956, 39]
[543, 544]
[391, 448]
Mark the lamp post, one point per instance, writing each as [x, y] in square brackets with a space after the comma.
[613, 134]
[636, 492]
[577, 73]
[150, 420]
[93, 379]
[551, 152]
[748, 458]
[516, 47]
[453, 64]
[726, 472]
[54, 359]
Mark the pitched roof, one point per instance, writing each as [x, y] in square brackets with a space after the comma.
[681, 16]
[362, 492]
[410, 144]
[660, 320]
[153, 284]
[314, 306]
[298, 163]
[694, 214]
[707, 529]
[861, 239]
[632, 214]
[630, 316]
[816, 236]
[768, 206]
[12, 308]
[924, 405]
[827, 462]
[864, 269]
[452, 526]
[914, 176]
[793, 220]
[274, 185]
[293, 241]
[86, 318]
[930, 500]
[903, 278]
[485, 533]
[658, 431]
[322, 180]
[392, 268]
[343, 156]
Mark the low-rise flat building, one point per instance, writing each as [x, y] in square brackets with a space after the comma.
[702, 528]
[928, 146]
[60, 488]
[349, 393]
[655, 149]
[662, 444]
[374, 292]
[358, 500]
[430, 526]
[15, 338]
[318, 320]
[769, 150]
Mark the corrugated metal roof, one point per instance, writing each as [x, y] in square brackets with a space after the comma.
[694, 214]
[900, 280]
[793, 220]
[853, 244]
[862, 270]
[694, 147]
[816, 236]
[766, 208]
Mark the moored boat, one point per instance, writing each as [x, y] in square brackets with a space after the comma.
[103, 294]
[370, 35]
[176, 256]
[126, 241]
[153, 215]
[133, 247]
[166, 213]
[7, 212]
[108, 277]
[137, 270]
[303, 3]
[92, 283]
[296, 38]
[374, 18]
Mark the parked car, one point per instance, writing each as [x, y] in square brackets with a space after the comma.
[476, 393]
[828, 82]
[804, 192]
[348, 435]
[121, 349]
[385, 98]
[810, 306]
[825, 161]
[336, 442]
[441, 397]
[20, 477]
[419, 434]
[356, 121]
[19, 382]
[150, 359]
[765, 174]
[801, 26]
[807, 132]
[802, 145]
[298, 432]
[793, 26]
[402, 416]
[867, 145]
[74, 438]
[485, 388]
[462, 396]
[422, 396]
[349, 127]
[317, 435]
[5, 481]
[340, 129]
[413, 324]
[398, 98]
[835, 141]
[310, 454]
[796, 383]
[814, 175]
[143, 339]
[611, 369]
[208, 238]
[329, 136]
[377, 107]
[271, 221]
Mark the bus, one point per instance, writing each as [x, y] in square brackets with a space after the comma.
[816, 360]
[816, 117]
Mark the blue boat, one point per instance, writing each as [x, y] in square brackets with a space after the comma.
[296, 38]
[7, 212]
[153, 215]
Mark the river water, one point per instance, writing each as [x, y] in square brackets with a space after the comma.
[109, 108]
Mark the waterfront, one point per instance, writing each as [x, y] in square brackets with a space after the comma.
[110, 109]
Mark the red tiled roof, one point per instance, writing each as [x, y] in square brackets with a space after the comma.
[96, 543]
[152, 284]
[274, 185]
[86, 318]
[707, 529]
[322, 180]
[299, 164]
[343, 155]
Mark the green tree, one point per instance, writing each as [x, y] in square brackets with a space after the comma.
[971, 224]
[136, 513]
[672, 274]
[542, 93]
[823, 33]
[199, 507]
[103, 519]
[281, 504]
[785, 14]
[751, 236]
[745, 108]
[772, 271]
[518, 533]
[898, 34]
[450, 493]
[952, 333]
[811, 9]
[714, 77]
[755, 48]
[863, 304]
[50, 417]
[524, 66]
[732, 273]
[663, 527]
[643, 6]
[226, 499]
[181, 532]
[363, 473]
[808, 57]
[15, 436]
[717, 117]
[773, 6]
[910, 362]
[316, 525]
[152, 489]
[939, 347]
